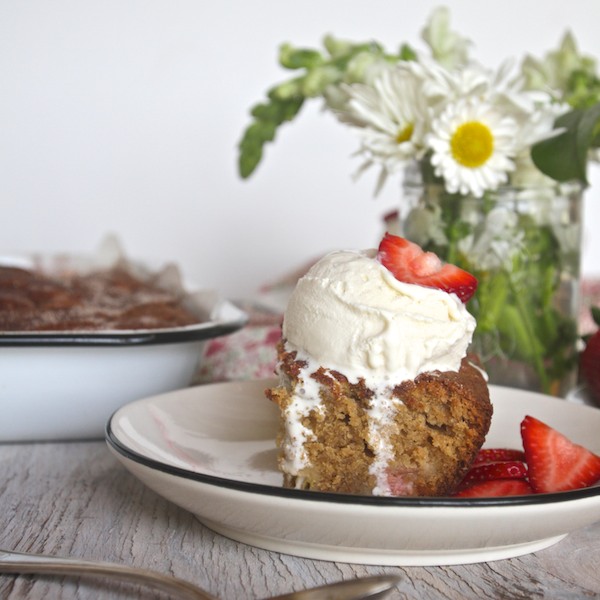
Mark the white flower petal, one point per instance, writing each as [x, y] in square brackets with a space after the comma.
[491, 173]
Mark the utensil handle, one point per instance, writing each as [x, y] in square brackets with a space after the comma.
[37, 564]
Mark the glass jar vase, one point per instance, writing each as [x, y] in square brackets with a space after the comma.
[524, 246]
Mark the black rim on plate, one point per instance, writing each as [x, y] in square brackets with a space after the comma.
[383, 501]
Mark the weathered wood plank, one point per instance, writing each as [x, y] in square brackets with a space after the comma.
[76, 499]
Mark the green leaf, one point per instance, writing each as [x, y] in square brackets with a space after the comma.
[251, 146]
[266, 112]
[317, 80]
[290, 108]
[337, 47]
[286, 90]
[268, 117]
[590, 127]
[407, 53]
[299, 58]
[277, 110]
[583, 88]
[564, 156]
[248, 159]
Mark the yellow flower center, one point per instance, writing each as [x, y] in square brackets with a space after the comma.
[472, 144]
[405, 134]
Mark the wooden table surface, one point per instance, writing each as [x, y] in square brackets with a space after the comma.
[75, 499]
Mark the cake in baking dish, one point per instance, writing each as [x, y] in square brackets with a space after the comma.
[107, 299]
[377, 395]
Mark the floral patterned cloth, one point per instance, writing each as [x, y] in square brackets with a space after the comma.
[249, 353]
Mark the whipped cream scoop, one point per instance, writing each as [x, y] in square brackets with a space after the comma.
[350, 314]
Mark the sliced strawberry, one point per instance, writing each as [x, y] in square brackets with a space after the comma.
[409, 263]
[590, 365]
[495, 488]
[490, 455]
[556, 463]
[507, 469]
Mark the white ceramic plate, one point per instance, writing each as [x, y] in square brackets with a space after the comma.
[211, 450]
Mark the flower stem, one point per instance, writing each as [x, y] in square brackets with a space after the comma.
[533, 342]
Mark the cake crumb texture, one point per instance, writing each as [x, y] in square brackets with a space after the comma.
[434, 427]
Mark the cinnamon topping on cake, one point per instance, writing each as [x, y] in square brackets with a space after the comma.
[112, 299]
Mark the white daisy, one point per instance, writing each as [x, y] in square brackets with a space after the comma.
[391, 118]
[363, 68]
[472, 146]
[442, 86]
[535, 114]
[535, 111]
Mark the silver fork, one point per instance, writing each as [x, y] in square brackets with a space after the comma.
[38, 564]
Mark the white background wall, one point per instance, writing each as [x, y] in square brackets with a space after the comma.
[124, 115]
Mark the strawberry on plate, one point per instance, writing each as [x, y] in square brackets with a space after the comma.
[555, 463]
[491, 455]
[506, 469]
[410, 264]
[495, 488]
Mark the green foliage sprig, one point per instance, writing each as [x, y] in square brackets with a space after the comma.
[341, 62]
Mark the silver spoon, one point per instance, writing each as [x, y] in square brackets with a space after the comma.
[38, 564]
